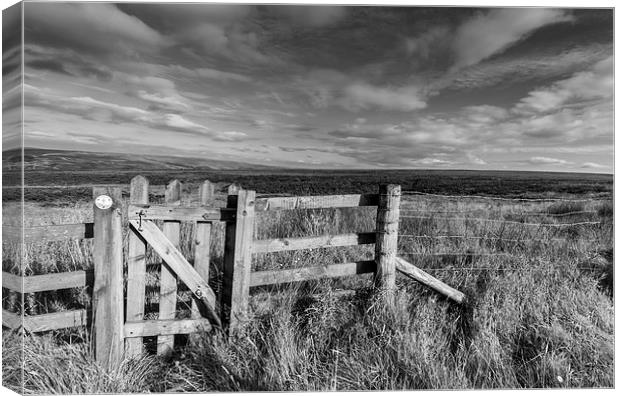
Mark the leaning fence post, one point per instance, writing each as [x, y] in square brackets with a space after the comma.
[108, 288]
[386, 245]
[238, 259]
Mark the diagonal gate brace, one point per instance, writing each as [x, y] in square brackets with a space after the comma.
[175, 260]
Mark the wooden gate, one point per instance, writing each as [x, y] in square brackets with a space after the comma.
[143, 231]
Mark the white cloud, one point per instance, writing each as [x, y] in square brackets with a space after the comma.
[596, 83]
[592, 165]
[548, 161]
[361, 96]
[93, 25]
[487, 34]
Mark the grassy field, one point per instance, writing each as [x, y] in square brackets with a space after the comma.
[539, 310]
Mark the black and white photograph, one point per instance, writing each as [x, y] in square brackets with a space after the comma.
[211, 196]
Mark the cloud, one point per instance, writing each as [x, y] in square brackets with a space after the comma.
[91, 27]
[96, 110]
[596, 83]
[592, 165]
[207, 73]
[362, 96]
[488, 34]
[313, 16]
[547, 161]
[545, 66]
[65, 61]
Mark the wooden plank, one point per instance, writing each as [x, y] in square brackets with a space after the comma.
[108, 289]
[238, 260]
[307, 273]
[317, 202]
[57, 320]
[314, 242]
[136, 267]
[387, 238]
[48, 233]
[416, 273]
[148, 328]
[11, 319]
[39, 283]
[202, 249]
[13, 282]
[168, 279]
[175, 260]
[173, 213]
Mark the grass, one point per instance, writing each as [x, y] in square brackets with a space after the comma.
[540, 315]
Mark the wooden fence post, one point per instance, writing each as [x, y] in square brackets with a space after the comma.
[387, 238]
[238, 260]
[136, 268]
[108, 288]
[202, 250]
[168, 279]
[233, 189]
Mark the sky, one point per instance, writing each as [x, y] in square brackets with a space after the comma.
[318, 86]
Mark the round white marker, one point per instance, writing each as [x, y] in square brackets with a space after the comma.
[103, 202]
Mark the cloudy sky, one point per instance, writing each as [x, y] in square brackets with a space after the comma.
[321, 86]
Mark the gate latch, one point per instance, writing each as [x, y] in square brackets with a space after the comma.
[140, 214]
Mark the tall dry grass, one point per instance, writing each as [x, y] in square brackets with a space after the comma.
[538, 315]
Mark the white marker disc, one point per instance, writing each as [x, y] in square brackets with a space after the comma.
[103, 202]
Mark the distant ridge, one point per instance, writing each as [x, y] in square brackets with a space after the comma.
[69, 160]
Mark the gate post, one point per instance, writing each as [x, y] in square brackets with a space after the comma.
[238, 259]
[108, 289]
[386, 245]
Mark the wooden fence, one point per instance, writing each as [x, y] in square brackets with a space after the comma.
[118, 319]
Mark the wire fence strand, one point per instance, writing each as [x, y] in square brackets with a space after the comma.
[410, 192]
[502, 221]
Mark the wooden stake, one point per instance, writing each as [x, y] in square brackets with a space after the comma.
[387, 238]
[168, 280]
[108, 288]
[136, 268]
[202, 250]
[238, 260]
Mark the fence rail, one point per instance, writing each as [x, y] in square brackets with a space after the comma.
[47, 282]
[48, 233]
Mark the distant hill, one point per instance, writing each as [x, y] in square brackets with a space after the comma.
[66, 160]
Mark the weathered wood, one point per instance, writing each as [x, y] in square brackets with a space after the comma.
[175, 213]
[261, 278]
[11, 319]
[55, 281]
[136, 267]
[202, 249]
[313, 242]
[238, 260]
[108, 289]
[233, 189]
[57, 320]
[48, 233]
[175, 260]
[168, 279]
[149, 328]
[387, 238]
[416, 273]
[317, 202]
[12, 282]
[206, 193]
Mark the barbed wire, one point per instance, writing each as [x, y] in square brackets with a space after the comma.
[490, 238]
[407, 192]
[502, 221]
[412, 211]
